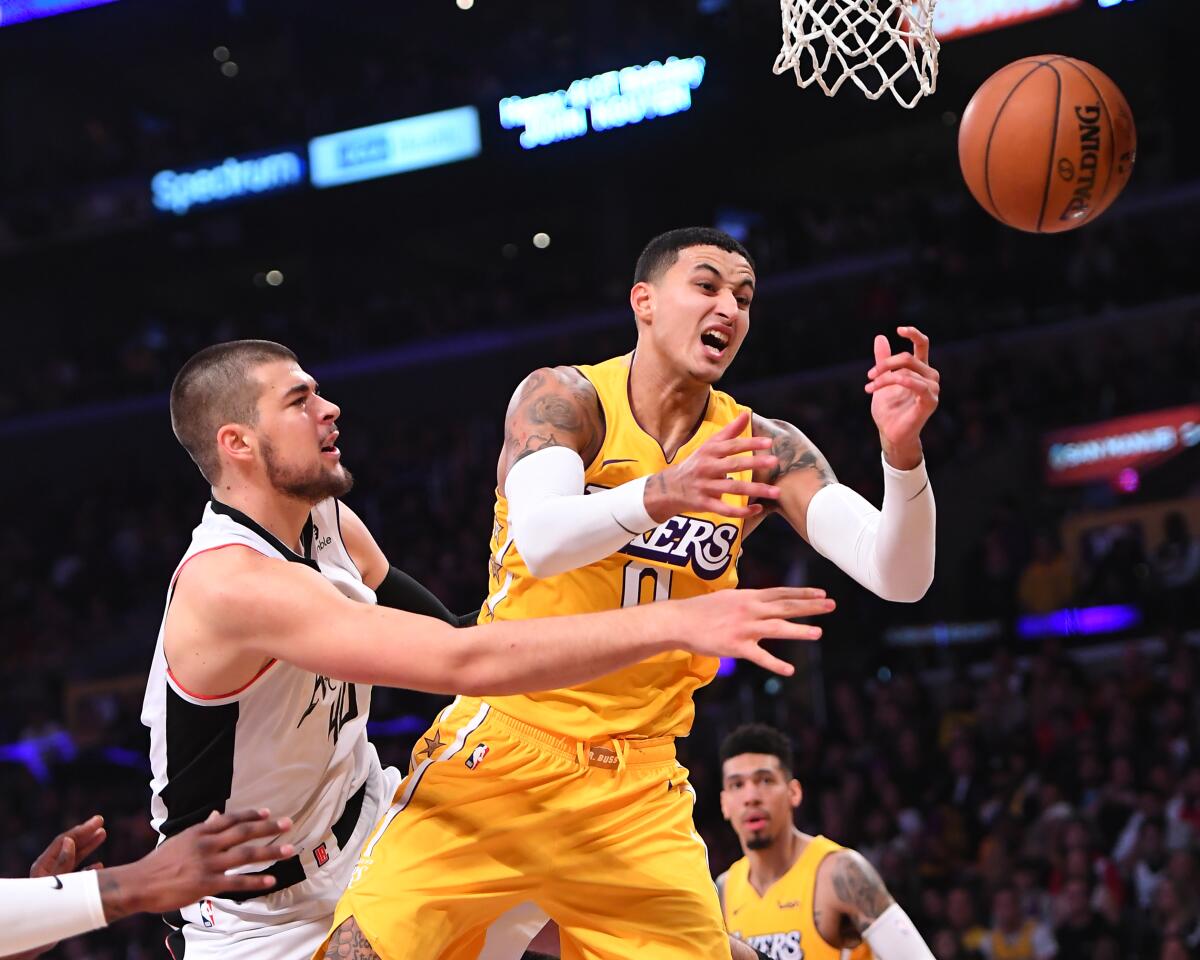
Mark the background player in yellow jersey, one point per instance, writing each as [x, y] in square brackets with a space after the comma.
[621, 483]
[792, 895]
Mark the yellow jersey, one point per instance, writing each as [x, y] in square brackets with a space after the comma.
[780, 923]
[685, 556]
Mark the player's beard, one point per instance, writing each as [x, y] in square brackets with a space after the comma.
[759, 841]
[312, 485]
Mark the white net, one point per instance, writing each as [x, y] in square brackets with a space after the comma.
[880, 45]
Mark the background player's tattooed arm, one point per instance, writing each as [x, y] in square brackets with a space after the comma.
[855, 896]
[801, 471]
[553, 407]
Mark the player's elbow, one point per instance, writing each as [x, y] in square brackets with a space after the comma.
[905, 590]
[538, 549]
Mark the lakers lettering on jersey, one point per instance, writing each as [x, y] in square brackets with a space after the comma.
[685, 556]
[781, 923]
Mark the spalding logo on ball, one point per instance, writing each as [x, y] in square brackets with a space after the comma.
[1047, 144]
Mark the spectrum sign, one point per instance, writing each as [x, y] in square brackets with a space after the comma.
[1100, 451]
[398, 146]
[960, 18]
[235, 178]
[607, 100]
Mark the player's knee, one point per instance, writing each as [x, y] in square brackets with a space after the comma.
[348, 942]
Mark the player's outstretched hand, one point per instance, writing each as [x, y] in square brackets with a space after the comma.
[730, 623]
[699, 482]
[192, 865]
[904, 392]
[70, 848]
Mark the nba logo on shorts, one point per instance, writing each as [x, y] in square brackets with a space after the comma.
[207, 916]
[477, 755]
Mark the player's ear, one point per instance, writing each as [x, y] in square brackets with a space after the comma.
[795, 792]
[236, 441]
[641, 299]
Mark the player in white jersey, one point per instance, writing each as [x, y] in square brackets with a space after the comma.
[258, 693]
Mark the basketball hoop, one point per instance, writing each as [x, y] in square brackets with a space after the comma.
[881, 45]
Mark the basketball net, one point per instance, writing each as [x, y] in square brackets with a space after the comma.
[880, 45]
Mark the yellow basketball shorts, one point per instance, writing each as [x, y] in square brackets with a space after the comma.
[496, 813]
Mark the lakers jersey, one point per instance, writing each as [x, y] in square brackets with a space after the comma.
[685, 556]
[780, 923]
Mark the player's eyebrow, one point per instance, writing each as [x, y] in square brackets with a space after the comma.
[300, 388]
[743, 282]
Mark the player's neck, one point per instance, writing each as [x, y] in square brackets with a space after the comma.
[667, 406]
[284, 517]
[771, 863]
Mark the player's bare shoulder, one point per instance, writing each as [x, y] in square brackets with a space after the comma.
[552, 407]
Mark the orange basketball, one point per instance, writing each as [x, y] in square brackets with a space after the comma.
[1046, 144]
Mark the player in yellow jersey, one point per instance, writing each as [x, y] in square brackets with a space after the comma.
[794, 896]
[621, 483]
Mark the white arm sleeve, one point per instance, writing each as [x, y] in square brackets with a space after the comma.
[555, 526]
[893, 937]
[37, 911]
[890, 552]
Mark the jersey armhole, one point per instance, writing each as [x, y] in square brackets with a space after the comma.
[603, 420]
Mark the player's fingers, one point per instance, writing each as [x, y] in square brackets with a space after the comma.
[248, 853]
[920, 342]
[242, 882]
[786, 630]
[66, 853]
[770, 594]
[727, 448]
[758, 461]
[883, 349]
[732, 428]
[756, 654]
[905, 361]
[901, 378]
[88, 844]
[789, 609]
[742, 488]
[240, 833]
[723, 509]
[219, 822]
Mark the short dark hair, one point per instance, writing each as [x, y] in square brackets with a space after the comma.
[215, 387]
[758, 738]
[661, 253]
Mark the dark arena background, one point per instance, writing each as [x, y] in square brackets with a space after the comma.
[178, 173]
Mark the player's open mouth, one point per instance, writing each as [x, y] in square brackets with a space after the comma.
[715, 341]
[755, 822]
[329, 447]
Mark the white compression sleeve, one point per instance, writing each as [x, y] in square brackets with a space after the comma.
[890, 552]
[894, 937]
[38, 911]
[555, 526]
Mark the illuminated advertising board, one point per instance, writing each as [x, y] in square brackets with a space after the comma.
[607, 100]
[398, 146]
[1101, 451]
[960, 18]
[233, 179]
[18, 11]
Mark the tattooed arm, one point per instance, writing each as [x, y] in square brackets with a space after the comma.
[852, 905]
[890, 551]
[553, 407]
[856, 893]
[799, 472]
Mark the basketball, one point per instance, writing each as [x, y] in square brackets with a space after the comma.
[1047, 144]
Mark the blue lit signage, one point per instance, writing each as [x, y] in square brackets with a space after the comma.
[231, 180]
[396, 147]
[18, 11]
[612, 99]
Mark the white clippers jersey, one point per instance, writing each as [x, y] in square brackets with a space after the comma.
[290, 740]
